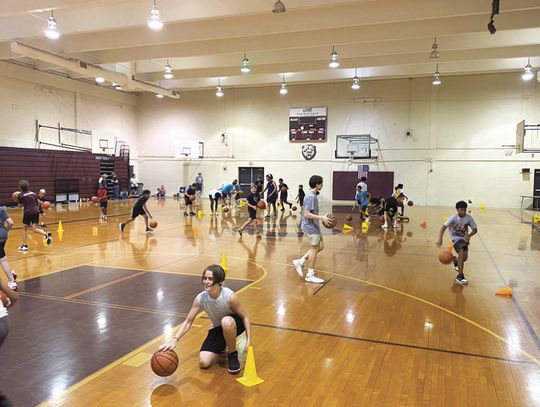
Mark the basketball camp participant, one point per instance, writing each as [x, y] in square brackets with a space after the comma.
[30, 203]
[283, 193]
[214, 195]
[227, 191]
[251, 203]
[41, 199]
[398, 190]
[189, 197]
[228, 318]
[6, 223]
[271, 196]
[300, 197]
[361, 200]
[310, 226]
[103, 201]
[260, 185]
[458, 228]
[391, 211]
[198, 185]
[4, 322]
[139, 209]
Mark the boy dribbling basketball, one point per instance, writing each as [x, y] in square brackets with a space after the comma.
[228, 316]
[251, 202]
[189, 198]
[139, 209]
[458, 228]
[103, 201]
[30, 203]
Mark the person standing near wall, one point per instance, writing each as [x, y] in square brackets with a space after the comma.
[134, 185]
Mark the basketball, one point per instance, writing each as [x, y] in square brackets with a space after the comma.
[446, 256]
[192, 198]
[164, 363]
[261, 205]
[240, 193]
[225, 209]
[348, 218]
[152, 223]
[5, 300]
[332, 222]
[381, 218]
[283, 189]
[15, 196]
[46, 205]
[294, 208]
[94, 199]
[410, 203]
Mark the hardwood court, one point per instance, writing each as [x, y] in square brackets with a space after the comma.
[389, 327]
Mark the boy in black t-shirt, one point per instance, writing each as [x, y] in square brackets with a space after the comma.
[300, 196]
[251, 202]
[139, 209]
[391, 210]
[189, 197]
[283, 193]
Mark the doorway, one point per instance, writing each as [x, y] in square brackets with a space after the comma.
[247, 176]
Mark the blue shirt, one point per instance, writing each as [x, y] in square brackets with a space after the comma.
[226, 190]
[311, 204]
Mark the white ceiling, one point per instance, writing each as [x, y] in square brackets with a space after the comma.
[206, 39]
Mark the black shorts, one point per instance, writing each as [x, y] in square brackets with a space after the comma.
[271, 199]
[215, 341]
[136, 212]
[2, 249]
[252, 213]
[198, 187]
[28, 220]
[103, 204]
[461, 245]
[188, 201]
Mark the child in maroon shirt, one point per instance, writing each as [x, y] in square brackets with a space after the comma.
[103, 201]
[29, 200]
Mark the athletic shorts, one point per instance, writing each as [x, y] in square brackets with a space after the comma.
[252, 213]
[314, 240]
[136, 212]
[215, 341]
[28, 220]
[2, 249]
[272, 199]
[188, 201]
[461, 245]
[103, 204]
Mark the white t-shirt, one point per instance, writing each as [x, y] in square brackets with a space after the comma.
[363, 185]
[458, 227]
[213, 192]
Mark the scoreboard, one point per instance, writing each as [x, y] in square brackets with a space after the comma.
[307, 124]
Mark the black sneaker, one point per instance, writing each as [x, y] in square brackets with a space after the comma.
[456, 268]
[121, 226]
[43, 225]
[185, 214]
[234, 364]
[148, 230]
[192, 214]
[460, 279]
[49, 238]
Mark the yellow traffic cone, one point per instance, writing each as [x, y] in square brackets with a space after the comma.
[444, 219]
[536, 218]
[199, 214]
[482, 207]
[365, 226]
[507, 291]
[60, 234]
[224, 264]
[250, 377]
[60, 227]
[242, 203]
[347, 228]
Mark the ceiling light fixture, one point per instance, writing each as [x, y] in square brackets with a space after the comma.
[219, 89]
[154, 22]
[52, 32]
[283, 89]
[168, 71]
[334, 63]
[245, 65]
[528, 73]
[435, 53]
[436, 77]
[355, 81]
[100, 79]
[279, 7]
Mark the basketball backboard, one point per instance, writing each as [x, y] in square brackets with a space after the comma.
[355, 147]
[527, 137]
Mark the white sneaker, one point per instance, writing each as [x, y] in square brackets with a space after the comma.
[298, 265]
[314, 279]
[385, 226]
[12, 285]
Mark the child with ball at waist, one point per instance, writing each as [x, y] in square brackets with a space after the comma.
[228, 317]
[458, 228]
[251, 202]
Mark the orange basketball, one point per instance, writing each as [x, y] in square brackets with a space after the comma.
[381, 218]
[283, 189]
[164, 363]
[152, 223]
[241, 193]
[294, 208]
[410, 203]
[46, 205]
[95, 199]
[446, 256]
[225, 209]
[332, 221]
[348, 218]
[15, 196]
[192, 198]
[5, 300]
[261, 204]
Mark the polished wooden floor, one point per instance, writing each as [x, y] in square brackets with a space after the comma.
[389, 328]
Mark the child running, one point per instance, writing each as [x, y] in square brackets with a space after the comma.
[283, 192]
[227, 315]
[103, 201]
[251, 202]
[310, 226]
[458, 228]
[139, 209]
[6, 223]
[29, 201]
[300, 197]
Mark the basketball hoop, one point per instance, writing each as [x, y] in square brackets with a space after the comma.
[508, 149]
[351, 155]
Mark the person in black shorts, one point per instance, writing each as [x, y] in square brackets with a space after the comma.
[391, 210]
[300, 196]
[283, 193]
[227, 315]
[139, 209]
[189, 197]
[271, 195]
[30, 203]
[252, 201]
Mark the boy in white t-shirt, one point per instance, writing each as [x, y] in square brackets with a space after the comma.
[458, 228]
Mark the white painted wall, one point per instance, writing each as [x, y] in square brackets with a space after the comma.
[458, 130]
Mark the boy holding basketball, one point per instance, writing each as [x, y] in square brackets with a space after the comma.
[41, 200]
[189, 197]
[139, 209]
[310, 226]
[251, 202]
[30, 203]
[103, 201]
[458, 228]
[227, 315]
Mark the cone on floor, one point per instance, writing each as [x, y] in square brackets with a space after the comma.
[482, 207]
[507, 291]
[250, 377]
[242, 203]
[444, 219]
[365, 226]
[60, 227]
[224, 264]
[347, 228]
[423, 225]
[536, 218]
[199, 214]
